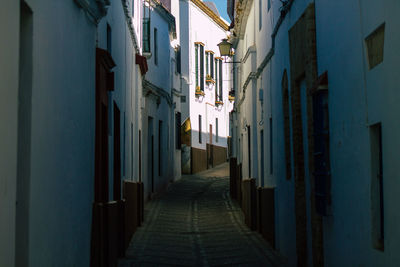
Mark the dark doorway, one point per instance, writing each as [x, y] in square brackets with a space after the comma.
[140, 155]
[209, 148]
[249, 148]
[150, 140]
[262, 157]
[160, 146]
[104, 83]
[24, 136]
[117, 153]
[152, 163]
[211, 133]
[102, 252]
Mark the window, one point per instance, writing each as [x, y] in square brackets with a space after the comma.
[207, 64]
[196, 65]
[133, 8]
[178, 130]
[212, 65]
[155, 47]
[269, 4]
[218, 79]
[375, 43]
[201, 68]
[199, 65]
[200, 129]
[146, 35]
[178, 59]
[109, 38]
[377, 199]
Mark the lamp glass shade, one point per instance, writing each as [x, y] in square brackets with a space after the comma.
[225, 48]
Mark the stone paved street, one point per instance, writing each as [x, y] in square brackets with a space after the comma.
[195, 223]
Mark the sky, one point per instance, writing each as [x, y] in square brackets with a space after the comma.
[221, 6]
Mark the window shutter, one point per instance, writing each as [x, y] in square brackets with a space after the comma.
[146, 35]
[220, 80]
[216, 79]
[200, 129]
[197, 64]
[178, 60]
[201, 68]
[212, 65]
[207, 67]
[155, 47]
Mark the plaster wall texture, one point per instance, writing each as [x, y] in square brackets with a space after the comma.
[270, 82]
[358, 98]
[162, 112]
[126, 94]
[137, 16]
[177, 173]
[62, 117]
[284, 189]
[9, 73]
[247, 99]
[197, 28]
[186, 58]
[158, 108]
[160, 74]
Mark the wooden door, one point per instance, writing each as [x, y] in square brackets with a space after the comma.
[104, 82]
[104, 64]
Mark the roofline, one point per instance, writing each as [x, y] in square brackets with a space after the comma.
[166, 15]
[211, 14]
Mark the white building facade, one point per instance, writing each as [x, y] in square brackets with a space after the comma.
[160, 87]
[206, 82]
[61, 55]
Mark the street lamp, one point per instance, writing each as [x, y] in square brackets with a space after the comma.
[225, 49]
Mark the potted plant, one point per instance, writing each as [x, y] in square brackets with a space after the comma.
[199, 92]
[209, 79]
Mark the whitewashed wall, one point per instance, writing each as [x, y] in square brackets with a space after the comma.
[196, 27]
[176, 89]
[162, 76]
[127, 90]
[57, 228]
[358, 98]
[247, 100]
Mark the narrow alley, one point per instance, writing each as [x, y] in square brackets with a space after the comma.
[195, 223]
[199, 133]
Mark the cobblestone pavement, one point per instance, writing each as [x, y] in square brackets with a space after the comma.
[195, 223]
